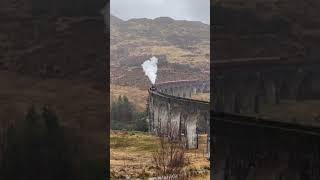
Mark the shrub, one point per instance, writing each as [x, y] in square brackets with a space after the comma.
[124, 116]
[170, 158]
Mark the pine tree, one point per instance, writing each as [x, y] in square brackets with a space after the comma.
[113, 111]
[120, 110]
[37, 148]
[127, 110]
[55, 144]
[13, 157]
[141, 122]
[125, 116]
[32, 145]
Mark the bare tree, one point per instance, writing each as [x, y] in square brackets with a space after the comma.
[170, 158]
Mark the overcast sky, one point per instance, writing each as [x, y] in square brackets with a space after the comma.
[193, 10]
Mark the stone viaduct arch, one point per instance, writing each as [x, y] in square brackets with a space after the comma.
[170, 108]
[251, 146]
[249, 88]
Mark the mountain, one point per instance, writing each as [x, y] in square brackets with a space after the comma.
[164, 30]
[182, 47]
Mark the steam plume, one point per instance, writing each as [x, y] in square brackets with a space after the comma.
[150, 68]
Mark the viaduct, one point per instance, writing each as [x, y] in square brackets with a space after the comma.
[171, 110]
[248, 143]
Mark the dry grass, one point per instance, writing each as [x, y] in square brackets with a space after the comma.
[178, 55]
[201, 96]
[174, 54]
[75, 101]
[131, 155]
[302, 112]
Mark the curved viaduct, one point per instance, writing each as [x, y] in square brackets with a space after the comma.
[246, 86]
[184, 88]
[250, 146]
[172, 111]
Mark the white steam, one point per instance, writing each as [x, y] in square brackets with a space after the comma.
[150, 68]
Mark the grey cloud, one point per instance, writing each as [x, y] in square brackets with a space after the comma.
[194, 10]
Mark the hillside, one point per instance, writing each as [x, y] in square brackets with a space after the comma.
[266, 28]
[46, 47]
[53, 53]
[183, 49]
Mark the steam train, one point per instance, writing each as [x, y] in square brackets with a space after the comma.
[153, 88]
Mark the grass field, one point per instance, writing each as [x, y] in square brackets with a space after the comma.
[131, 156]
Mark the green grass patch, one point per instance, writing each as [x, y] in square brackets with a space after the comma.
[134, 141]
